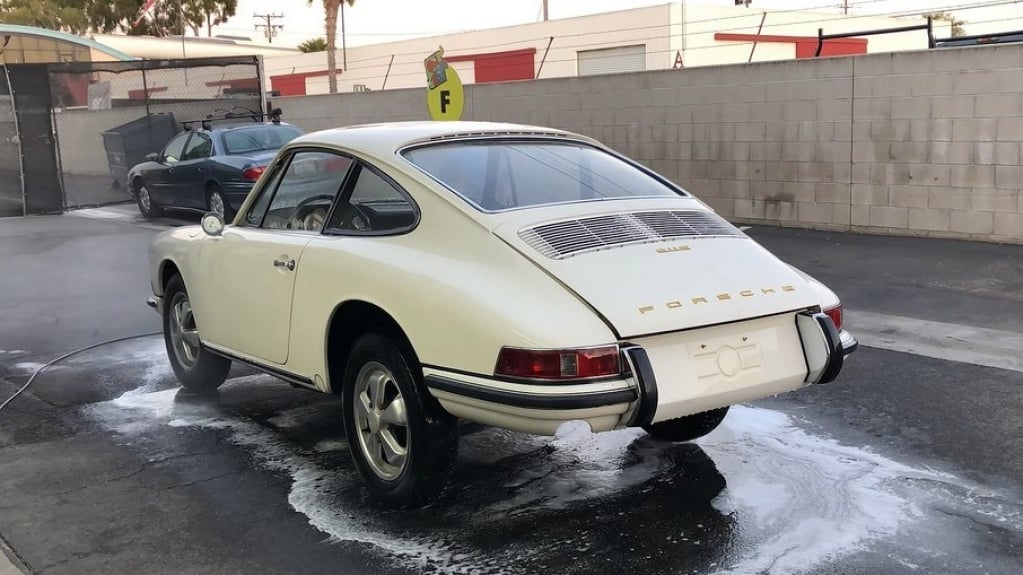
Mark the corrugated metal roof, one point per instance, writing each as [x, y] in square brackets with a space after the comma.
[64, 37]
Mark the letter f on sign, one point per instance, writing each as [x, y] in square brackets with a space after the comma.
[445, 100]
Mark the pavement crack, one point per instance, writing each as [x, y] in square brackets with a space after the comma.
[971, 519]
[203, 480]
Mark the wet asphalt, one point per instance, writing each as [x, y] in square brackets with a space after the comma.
[906, 464]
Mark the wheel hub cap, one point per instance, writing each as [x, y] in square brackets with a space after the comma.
[217, 203]
[183, 332]
[381, 421]
[144, 197]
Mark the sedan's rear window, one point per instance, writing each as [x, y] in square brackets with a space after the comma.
[258, 138]
[498, 175]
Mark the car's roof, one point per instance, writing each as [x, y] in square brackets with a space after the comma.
[384, 138]
[244, 126]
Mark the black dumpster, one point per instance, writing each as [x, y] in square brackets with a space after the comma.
[128, 144]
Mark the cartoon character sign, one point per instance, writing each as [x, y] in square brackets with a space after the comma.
[444, 95]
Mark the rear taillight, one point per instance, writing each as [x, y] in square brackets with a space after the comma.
[835, 313]
[561, 364]
[252, 174]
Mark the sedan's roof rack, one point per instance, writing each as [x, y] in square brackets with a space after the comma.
[231, 115]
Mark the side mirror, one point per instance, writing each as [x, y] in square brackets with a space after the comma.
[152, 157]
[212, 223]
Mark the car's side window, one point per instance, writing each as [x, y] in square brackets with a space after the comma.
[200, 146]
[254, 217]
[371, 203]
[306, 191]
[175, 148]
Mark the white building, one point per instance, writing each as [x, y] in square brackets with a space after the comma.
[674, 35]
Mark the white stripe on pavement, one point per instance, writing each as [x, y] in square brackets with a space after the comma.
[950, 341]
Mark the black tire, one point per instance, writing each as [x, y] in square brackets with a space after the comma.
[214, 190]
[203, 371]
[147, 207]
[689, 427]
[430, 434]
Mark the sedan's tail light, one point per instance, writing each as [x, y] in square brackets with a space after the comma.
[253, 173]
[835, 313]
[560, 364]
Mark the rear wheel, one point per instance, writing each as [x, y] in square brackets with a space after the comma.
[402, 443]
[196, 367]
[689, 427]
[147, 208]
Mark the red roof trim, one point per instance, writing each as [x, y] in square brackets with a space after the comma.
[490, 55]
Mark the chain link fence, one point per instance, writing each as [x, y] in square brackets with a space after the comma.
[109, 115]
[11, 200]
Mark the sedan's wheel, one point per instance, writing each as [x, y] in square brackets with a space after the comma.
[145, 202]
[195, 366]
[402, 443]
[689, 427]
[215, 202]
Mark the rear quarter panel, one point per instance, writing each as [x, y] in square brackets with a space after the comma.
[457, 291]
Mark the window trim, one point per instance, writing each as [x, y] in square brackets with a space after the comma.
[189, 141]
[163, 152]
[541, 139]
[284, 162]
[349, 188]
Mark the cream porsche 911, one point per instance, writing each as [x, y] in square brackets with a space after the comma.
[512, 276]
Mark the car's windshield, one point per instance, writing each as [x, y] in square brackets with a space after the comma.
[258, 138]
[498, 175]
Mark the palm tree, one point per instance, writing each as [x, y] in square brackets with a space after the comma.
[313, 45]
[331, 8]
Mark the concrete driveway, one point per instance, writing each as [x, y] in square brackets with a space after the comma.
[909, 463]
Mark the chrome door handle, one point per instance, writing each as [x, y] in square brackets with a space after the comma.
[290, 264]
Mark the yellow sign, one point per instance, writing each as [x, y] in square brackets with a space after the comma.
[444, 95]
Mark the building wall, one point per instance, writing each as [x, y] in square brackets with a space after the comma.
[913, 143]
[666, 30]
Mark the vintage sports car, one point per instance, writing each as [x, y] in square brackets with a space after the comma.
[209, 167]
[513, 276]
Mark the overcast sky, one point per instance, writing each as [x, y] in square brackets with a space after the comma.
[371, 21]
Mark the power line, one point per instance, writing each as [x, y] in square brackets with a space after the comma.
[270, 28]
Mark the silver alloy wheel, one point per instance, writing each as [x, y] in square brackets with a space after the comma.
[144, 197]
[184, 335]
[217, 203]
[381, 420]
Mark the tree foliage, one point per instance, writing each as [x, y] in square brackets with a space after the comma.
[105, 16]
[313, 45]
[331, 9]
[957, 25]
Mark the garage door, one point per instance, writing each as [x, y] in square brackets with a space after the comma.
[612, 60]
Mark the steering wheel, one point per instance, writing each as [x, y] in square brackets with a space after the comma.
[353, 218]
[308, 222]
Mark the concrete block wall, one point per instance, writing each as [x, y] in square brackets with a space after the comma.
[908, 143]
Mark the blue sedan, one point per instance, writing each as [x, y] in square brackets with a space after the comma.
[209, 168]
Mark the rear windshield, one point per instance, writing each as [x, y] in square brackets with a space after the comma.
[258, 138]
[501, 175]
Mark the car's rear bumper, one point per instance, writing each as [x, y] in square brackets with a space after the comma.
[235, 193]
[638, 398]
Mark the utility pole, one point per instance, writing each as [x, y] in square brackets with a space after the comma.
[544, 10]
[271, 28]
[845, 7]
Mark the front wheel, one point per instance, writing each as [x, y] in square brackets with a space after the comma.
[403, 444]
[196, 367]
[689, 427]
[145, 201]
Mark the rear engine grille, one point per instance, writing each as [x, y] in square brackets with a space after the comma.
[571, 237]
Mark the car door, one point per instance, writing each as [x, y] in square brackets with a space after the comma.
[162, 182]
[193, 169]
[248, 272]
